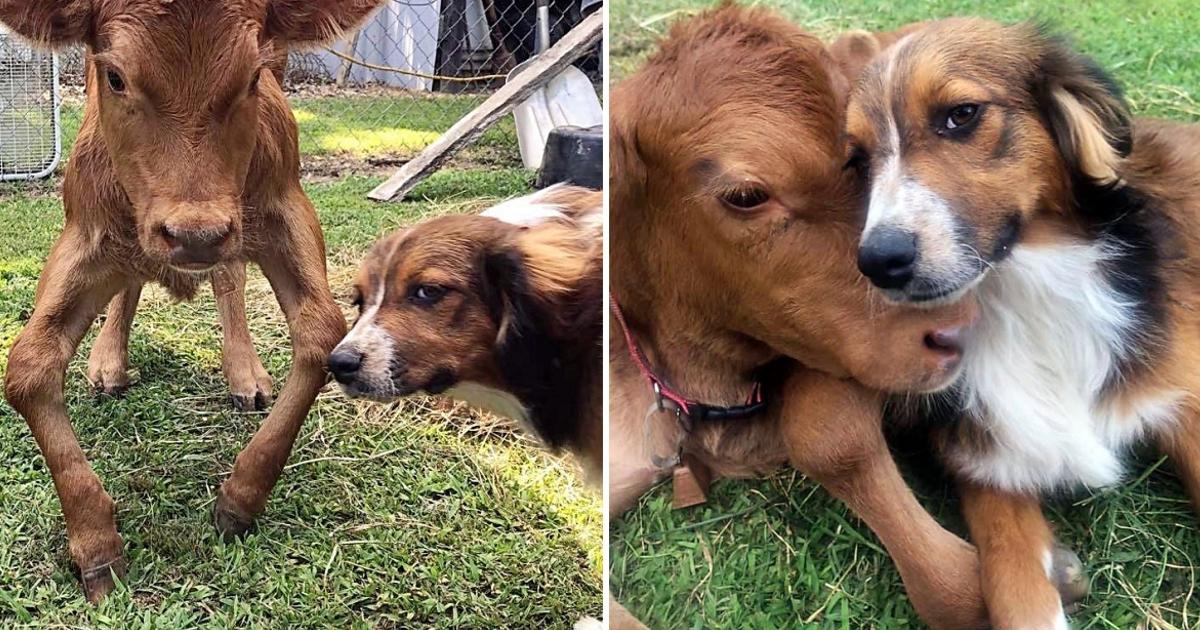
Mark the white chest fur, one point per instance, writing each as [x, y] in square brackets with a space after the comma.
[492, 400]
[1051, 330]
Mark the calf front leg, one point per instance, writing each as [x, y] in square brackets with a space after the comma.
[108, 364]
[1017, 557]
[70, 294]
[834, 435]
[249, 383]
[295, 266]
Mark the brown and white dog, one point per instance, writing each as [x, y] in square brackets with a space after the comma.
[502, 310]
[732, 251]
[1004, 169]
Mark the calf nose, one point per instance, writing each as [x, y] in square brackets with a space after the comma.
[888, 257]
[344, 364]
[191, 243]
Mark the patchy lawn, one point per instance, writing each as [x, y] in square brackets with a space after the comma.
[413, 514]
[780, 552]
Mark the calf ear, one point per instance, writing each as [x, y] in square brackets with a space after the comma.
[48, 23]
[315, 21]
[1085, 110]
[628, 175]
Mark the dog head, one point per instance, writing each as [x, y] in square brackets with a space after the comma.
[965, 130]
[731, 210]
[473, 299]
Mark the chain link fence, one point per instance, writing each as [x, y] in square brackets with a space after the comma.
[390, 88]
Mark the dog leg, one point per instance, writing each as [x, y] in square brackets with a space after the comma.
[834, 435]
[295, 266]
[108, 364]
[621, 619]
[1017, 558]
[249, 383]
[1182, 444]
[70, 294]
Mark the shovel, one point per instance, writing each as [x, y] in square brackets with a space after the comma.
[568, 99]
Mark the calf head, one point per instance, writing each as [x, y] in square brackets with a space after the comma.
[176, 88]
[732, 209]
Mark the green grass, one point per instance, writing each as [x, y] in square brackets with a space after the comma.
[356, 125]
[372, 126]
[413, 514]
[780, 552]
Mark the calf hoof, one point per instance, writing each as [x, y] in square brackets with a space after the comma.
[1069, 578]
[100, 580]
[249, 384]
[257, 401]
[109, 382]
[232, 523]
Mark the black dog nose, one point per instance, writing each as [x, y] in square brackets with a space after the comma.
[888, 257]
[344, 364]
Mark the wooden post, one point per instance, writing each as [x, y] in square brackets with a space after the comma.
[543, 68]
[453, 44]
[344, 72]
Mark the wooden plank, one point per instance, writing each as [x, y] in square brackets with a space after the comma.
[543, 68]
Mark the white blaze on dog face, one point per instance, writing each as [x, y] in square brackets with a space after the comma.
[375, 346]
[900, 203]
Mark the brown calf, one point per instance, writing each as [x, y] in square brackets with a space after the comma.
[187, 162]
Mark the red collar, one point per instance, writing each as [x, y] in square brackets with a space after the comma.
[694, 410]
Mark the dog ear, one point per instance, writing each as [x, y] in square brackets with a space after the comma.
[1084, 109]
[315, 21]
[511, 302]
[529, 358]
[49, 23]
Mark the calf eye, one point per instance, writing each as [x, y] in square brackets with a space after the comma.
[960, 116]
[747, 198]
[253, 89]
[860, 161]
[427, 294]
[115, 82]
[357, 302]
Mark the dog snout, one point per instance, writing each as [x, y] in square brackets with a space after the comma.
[888, 257]
[344, 364]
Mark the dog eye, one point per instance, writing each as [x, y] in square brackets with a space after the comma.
[427, 294]
[747, 198]
[115, 82]
[961, 115]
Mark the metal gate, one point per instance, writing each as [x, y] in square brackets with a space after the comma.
[30, 130]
